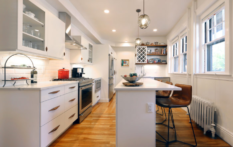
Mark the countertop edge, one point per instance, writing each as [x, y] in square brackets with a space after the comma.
[36, 88]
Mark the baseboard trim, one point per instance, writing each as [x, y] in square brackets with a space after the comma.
[104, 100]
[225, 134]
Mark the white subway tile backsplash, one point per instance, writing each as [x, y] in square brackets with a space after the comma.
[47, 69]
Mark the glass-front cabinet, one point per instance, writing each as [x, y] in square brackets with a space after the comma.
[90, 53]
[31, 29]
[33, 34]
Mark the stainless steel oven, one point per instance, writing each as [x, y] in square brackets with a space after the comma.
[85, 101]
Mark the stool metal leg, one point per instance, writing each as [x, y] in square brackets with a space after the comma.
[192, 127]
[169, 113]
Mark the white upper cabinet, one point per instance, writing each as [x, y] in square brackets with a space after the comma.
[55, 36]
[84, 56]
[31, 29]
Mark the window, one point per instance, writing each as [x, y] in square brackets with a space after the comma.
[214, 42]
[184, 53]
[175, 57]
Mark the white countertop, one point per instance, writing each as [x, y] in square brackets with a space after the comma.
[40, 85]
[148, 84]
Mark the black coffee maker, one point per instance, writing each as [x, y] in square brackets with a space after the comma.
[77, 72]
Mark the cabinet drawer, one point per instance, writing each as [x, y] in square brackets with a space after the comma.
[71, 87]
[98, 95]
[71, 115]
[51, 109]
[52, 130]
[70, 100]
[51, 93]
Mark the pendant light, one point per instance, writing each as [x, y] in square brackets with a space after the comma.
[138, 40]
[143, 20]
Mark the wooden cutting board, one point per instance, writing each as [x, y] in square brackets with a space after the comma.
[132, 84]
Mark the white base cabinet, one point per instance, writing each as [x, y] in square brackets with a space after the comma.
[95, 95]
[35, 118]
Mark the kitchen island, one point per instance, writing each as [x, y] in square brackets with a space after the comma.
[135, 113]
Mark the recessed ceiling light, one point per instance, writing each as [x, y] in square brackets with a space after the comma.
[114, 30]
[126, 41]
[106, 11]
[155, 30]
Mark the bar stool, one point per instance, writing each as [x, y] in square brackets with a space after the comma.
[163, 94]
[177, 100]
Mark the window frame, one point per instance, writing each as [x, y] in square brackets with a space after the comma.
[206, 40]
[201, 48]
[185, 37]
[175, 56]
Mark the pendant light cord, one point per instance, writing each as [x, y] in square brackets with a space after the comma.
[143, 6]
[138, 27]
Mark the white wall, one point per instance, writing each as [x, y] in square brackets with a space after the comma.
[215, 88]
[124, 53]
[99, 68]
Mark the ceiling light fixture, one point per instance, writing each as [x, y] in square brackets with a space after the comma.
[114, 30]
[138, 40]
[106, 11]
[126, 41]
[155, 30]
[143, 20]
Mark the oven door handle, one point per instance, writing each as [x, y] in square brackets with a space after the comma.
[85, 87]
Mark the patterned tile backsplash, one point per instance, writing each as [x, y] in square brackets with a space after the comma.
[47, 69]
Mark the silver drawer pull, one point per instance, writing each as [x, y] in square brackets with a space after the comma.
[54, 92]
[55, 129]
[55, 108]
[72, 87]
[72, 116]
[72, 100]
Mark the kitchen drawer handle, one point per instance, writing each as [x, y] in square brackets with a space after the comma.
[72, 116]
[72, 87]
[72, 100]
[54, 92]
[55, 108]
[55, 129]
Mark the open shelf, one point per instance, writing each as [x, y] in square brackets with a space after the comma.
[155, 45]
[32, 21]
[30, 37]
[150, 63]
[156, 54]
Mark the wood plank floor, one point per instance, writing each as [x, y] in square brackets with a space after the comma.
[98, 130]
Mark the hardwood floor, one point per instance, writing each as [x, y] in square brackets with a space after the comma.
[98, 130]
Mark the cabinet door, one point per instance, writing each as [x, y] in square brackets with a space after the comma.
[55, 36]
[31, 30]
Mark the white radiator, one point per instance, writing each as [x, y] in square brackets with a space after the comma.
[203, 112]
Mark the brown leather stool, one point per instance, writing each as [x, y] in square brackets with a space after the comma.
[177, 100]
[163, 94]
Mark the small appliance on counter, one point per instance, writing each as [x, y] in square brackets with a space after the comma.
[77, 72]
[63, 73]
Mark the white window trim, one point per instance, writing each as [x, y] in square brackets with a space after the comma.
[173, 57]
[182, 54]
[200, 51]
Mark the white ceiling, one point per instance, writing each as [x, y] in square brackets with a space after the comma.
[164, 14]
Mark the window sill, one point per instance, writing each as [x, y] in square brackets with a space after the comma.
[179, 73]
[220, 74]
